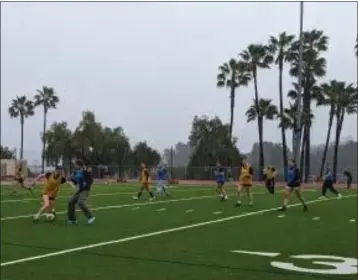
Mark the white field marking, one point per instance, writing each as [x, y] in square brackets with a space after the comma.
[189, 211]
[217, 212]
[135, 208]
[24, 200]
[264, 254]
[315, 218]
[161, 209]
[120, 206]
[352, 220]
[155, 233]
[281, 216]
[125, 205]
[92, 195]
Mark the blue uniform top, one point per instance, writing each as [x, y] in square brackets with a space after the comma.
[219, 175]
[82, 179]
[162, 174]
[328, 176]
[293, 176]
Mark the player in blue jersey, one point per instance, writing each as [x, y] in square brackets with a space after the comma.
[82, 179]
[220, 181]
[293, 185]
[328, 181]
[162, 179]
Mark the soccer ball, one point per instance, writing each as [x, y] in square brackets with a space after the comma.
[49, 217]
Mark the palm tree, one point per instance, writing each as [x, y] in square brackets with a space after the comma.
[48, 99]
[266, 111]
[232, 75]
[347, 102]
[280, 47]
[21, 108]
[314, 66]
[256, 57]
[328, 97]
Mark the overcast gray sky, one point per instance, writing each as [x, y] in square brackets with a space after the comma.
[150, 67]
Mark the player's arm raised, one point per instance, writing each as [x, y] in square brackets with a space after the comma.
[40, 177]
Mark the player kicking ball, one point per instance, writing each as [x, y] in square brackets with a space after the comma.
[220, 181]
[52, 183]
[144, 180]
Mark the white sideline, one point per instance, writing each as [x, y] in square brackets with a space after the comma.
[155, 233]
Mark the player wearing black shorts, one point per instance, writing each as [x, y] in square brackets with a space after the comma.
[293, 186]
[348, 175]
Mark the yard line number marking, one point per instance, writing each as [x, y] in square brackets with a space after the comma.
[150, 234]
[337, 265]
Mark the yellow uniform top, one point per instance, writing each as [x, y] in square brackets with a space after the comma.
[270, 173]
[52, 183]
[144, 176]
[246, 174]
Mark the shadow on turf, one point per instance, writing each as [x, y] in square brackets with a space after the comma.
[155, 260]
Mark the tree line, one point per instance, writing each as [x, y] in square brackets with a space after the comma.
[210, 139]
[283, 50]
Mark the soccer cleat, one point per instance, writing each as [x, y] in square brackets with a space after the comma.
[282, 209]
[238, 204]
[91, 220]
[305, 208]
[72, 222]
[339, 196]
[135, 197]
[36, 219]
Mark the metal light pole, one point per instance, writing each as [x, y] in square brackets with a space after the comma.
[296, 137]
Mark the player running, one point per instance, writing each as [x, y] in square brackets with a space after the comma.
[349, 178]
[269, 177]
[245, 182]
[52, 183]
[162, 178]
[82, 179]
[19, 180]
[145, 181]
[293, 185]
[220, 181]
[328, 182]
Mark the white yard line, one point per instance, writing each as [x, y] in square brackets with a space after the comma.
[121, 206]
[155, 233]
[92, 195]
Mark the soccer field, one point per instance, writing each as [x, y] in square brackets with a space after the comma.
[191, 235]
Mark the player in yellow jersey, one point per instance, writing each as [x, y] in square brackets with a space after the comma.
[19, 179]
[145, 181]
[52, 183]
[245, 182]
[269, 176]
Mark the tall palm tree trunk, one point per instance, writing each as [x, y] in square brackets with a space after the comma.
[232, 106]
[336, 144]
[260, 127]
[283, 133]
[328, 137]
[303, 148]
[22, 138]
[44, 141]
[308, 153]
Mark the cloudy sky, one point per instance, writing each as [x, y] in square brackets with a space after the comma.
[150, 67]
